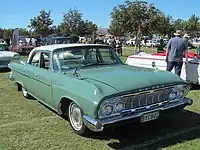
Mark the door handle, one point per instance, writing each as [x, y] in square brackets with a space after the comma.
[35, 75]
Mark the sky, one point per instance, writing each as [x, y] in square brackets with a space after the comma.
[17, 14]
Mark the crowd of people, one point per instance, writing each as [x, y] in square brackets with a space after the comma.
[114, 42]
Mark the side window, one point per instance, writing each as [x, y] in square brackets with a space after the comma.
[45, 60]
[107, 56]
[92, 56]
[35, 60]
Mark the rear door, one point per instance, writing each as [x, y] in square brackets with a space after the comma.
[43, 79]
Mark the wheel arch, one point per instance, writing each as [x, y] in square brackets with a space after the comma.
[63, 105]
[19, 85]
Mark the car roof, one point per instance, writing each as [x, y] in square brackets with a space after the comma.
[58, 46]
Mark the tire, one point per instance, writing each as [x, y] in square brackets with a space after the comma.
[75, 119]
[25, 93]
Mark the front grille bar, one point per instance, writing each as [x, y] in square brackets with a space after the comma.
[147, 98]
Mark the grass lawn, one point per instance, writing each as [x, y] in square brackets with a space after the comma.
[26, 124]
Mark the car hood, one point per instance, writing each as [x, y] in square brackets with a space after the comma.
[7, 55]
[124, 78]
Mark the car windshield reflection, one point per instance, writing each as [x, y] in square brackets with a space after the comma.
[84, 57]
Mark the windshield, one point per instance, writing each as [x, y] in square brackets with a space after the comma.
[3, 47]
[84, 57]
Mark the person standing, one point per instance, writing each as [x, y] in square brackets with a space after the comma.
[112, 42]
[175, 52]
[145, 42]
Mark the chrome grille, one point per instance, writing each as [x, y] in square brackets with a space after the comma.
[146, 99]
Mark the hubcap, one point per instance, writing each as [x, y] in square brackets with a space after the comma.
[24, 92]
[75, 117]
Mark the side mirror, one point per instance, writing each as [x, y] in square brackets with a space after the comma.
[16, 57]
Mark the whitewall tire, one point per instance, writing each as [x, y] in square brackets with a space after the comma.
[75, 119]
[25, 93]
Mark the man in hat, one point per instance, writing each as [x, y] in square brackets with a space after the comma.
[175, 52]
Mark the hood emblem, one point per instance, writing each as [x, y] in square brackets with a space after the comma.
[75, 72]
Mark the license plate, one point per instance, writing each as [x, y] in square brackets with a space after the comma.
[149, 117]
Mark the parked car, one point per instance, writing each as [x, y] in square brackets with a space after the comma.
[130, 42]
[6, 56]
[153, 43]
[89, 84]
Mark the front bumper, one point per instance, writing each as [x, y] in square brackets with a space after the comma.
[4, 63]
[3, 66]
[98, 125]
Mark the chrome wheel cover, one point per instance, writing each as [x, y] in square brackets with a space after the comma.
[24, 92]
[75, 117]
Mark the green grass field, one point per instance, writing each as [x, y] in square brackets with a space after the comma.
[26, 124]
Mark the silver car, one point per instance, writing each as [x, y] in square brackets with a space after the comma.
[6, 56]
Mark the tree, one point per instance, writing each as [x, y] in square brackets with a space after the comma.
[7, 33]
[74, 24]
[1, 33]
[90, 27]
[127, 17]
[42, 24]
[179, 24]
[193, 24]
[165, 25]
[24, 32]
[116, 30]
[71, 22]
[57, 30]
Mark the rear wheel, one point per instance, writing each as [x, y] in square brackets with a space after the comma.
[75, 119]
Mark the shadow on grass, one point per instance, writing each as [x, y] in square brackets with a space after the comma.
[166, 131]
[4, 70]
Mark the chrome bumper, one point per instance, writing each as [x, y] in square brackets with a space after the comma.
[98, 125]
[3, 66]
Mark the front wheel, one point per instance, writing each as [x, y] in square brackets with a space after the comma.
[25, 93]
[75, 119]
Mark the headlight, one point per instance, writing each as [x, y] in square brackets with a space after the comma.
[179, 92]
[16, 57]
[119, 107]
[172, 95]
[111, 107]
[107, 110]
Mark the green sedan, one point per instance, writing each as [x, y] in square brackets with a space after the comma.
[94, 89]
